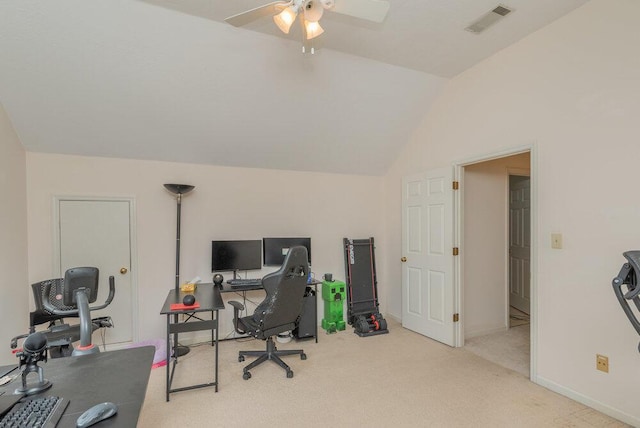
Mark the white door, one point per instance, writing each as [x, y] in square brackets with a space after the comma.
[98, 233]
[427, 245]
[519, 243]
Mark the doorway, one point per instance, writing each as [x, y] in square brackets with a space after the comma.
[495, 264]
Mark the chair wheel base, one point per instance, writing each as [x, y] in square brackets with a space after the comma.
[269, 354]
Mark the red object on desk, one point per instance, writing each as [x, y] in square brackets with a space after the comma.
[182, 306]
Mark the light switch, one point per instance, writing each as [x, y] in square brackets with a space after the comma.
[556, 241]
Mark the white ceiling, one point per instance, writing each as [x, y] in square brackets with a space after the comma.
[131, 79]
[423, 35]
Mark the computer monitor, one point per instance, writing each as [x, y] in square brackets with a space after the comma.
[236, 255]
[275, 249]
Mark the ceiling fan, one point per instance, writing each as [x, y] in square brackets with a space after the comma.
[284, 14]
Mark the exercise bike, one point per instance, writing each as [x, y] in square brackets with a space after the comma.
[628, 278]
[57, 299]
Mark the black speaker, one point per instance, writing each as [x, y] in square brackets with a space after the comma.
[308, 318]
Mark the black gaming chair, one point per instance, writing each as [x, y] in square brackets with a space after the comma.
[279, 311]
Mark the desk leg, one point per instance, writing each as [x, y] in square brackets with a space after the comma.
[214, 332]
[316, 319]
[175, 339]
[168, 355]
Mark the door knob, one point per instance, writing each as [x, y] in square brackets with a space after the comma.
[404, 259]
[123, 270]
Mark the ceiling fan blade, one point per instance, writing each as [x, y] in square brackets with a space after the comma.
[371, 10]
[251, 15]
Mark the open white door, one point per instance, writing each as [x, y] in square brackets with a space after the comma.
[427, 245]
[520, 243]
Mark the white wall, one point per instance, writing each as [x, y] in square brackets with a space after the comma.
[573, 90]
[227, 203]
[13, 239]
[485, 229]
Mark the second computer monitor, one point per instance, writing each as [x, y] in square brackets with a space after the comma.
[275, 249]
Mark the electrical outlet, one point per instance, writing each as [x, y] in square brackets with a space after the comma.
[556, 241]
[602, 363]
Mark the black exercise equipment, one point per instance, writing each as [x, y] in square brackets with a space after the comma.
[362, 288]
[69, 297]
[628, 277]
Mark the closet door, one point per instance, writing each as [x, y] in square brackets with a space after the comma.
[97, 232]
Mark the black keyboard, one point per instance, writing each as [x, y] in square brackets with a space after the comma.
[35, 412]
[244, 282]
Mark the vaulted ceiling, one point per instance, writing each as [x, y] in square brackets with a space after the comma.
[170, 80]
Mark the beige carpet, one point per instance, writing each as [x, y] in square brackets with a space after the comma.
[400, 379]
[509, 348]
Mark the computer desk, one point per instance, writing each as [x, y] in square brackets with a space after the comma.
[209, 300]
[226, 288]
[120, 377]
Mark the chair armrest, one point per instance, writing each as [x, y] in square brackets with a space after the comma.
[237, 307]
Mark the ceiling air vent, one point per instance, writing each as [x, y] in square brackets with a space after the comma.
[489, 19]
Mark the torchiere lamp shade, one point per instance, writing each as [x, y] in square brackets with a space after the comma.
[179, 189]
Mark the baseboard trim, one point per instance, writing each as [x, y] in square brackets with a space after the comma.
[587, 401]
[394, 317]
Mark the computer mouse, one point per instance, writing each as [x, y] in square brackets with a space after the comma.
[189, 300]
[95, 414]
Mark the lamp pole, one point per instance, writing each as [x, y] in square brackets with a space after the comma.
[178, 190]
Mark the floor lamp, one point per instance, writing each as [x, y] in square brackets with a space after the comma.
[178, 190]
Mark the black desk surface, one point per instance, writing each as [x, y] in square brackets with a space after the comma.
[226, 288]
[117, 376]
[207, 295]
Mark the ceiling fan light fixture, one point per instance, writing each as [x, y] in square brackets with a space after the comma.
[313, 29]
[284, 20]
[313, 11]
[285, 12]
